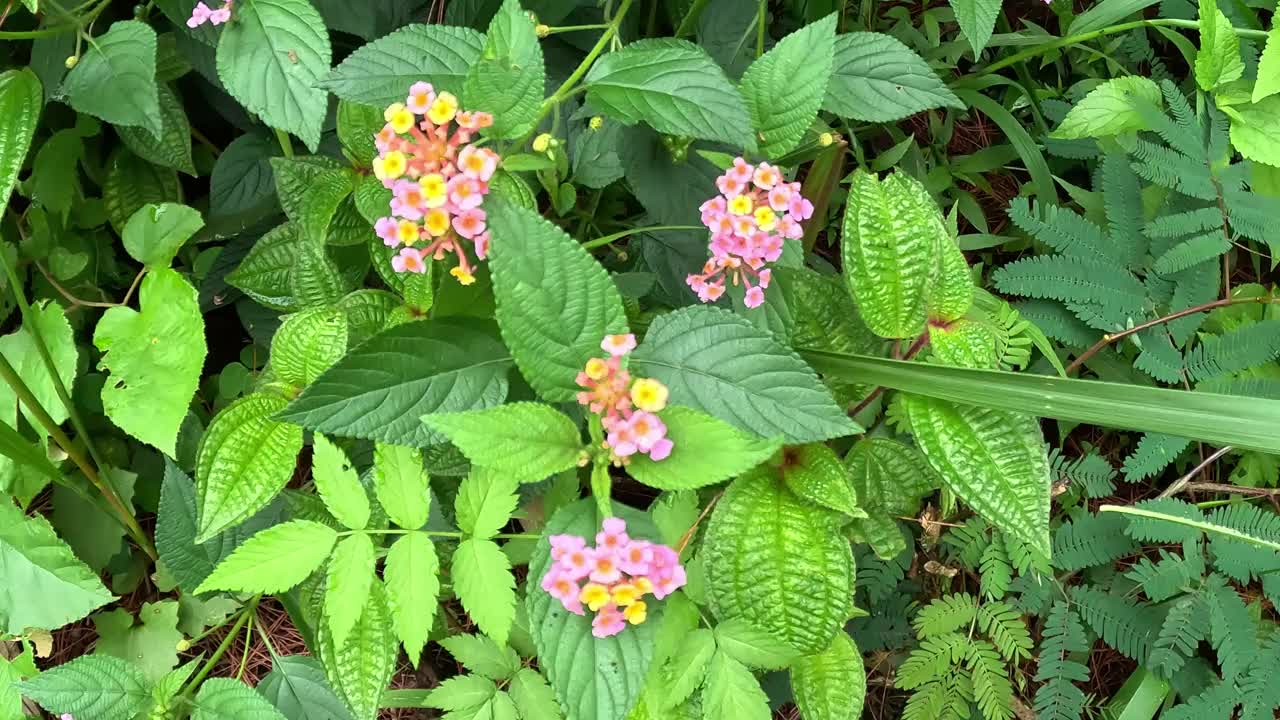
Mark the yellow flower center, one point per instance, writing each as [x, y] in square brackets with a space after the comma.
[443, 109]
[636, 612]
[463, 276]
[394, 164]
[740, 205]
[649, 395]
[437, 222]
[597, 368]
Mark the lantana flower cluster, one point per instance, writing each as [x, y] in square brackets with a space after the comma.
[627, 408]
[438, 180]
[618, 572]
[202, 13]
[751, 218]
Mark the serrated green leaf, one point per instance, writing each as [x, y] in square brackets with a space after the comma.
[683, 673]
[338, 484]
[264, 274]
[362, 668]
[154, 234]
[20, 103]
[706, 451]
[483, 656]
[555, 302]
[508, 78]
[889, 477]
[1110, 109]
[527, 441]
[1268, 82]
[483, 582]
[401, 485]
[94, 686]
[778, 563]
[132, 183]
[462, 694]
[172, 146]
[721, 364]
[154, 358]
[273, 560]
[1256, 131]
[533, 697]
[876, 78]
[271, 58]
[673, 86]
[892, 235]
[115, 79]
[752, 646]
[347, 584]
[19, 348]
[297, 687]
[831, 685]
[1218, 60]
[381, 72]
[357, 124]
[977, 20]
[785, 87]
[963, 343]
[151, 646]
[307, 344]
[46, 586]
[245, 459]
[381, 390]
[486, 499]
[994, 461]
[952, 293]
[413, 586]
[227, 699]
[94, 536]
[815, 473]
[242, 187]
[732, 692]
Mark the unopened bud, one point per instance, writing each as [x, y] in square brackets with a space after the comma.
[72, 61]
[542, 143]
[183, 645]
[825, 139]
[596, 123]
[542, 30]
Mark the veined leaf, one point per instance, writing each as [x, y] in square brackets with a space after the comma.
[116, 78]
[977, 20]
[741, 640]
[815, 473]
[274, 560]
[732, 691]
[381, 72]
[889, 477]
[133, 183]
[785, 87]
[832, 684]
[154, 234]
[401, 484]
[307, 344]
[533, 697]
[361, 669]
[1268, 82]
[528, 441]
[172, 146]
[338, 484]
[486, 499]
[297, 687]
[462, 694]
[20, 103]
[347, 584]
[684, 672]
[227, 699]
[92, 686]
[876, 78]
[1110, 109]
[706, 451]
[19, 349]
[483, 582]
[508, 78]
[1218, 61]
[1257, 131]
[483, 656]
[413, 586]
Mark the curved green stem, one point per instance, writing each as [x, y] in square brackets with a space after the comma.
[760, 18]
[245, 613]
[607, 239]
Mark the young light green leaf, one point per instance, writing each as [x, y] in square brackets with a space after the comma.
[361, 669]
[1255, 132]
[486, 498]
[889, 477]
[413, 586]
[508, 78]
[46, 586]
[19, 348]
[752, 646]
[245, 458]
[528, 441]
[271, 59]
[133, 182]
[92, 686]
[1268, 82]
[338, 484]
[150, 645]
[274, 560]
[401, 484]
[798, 69]
[20, 103]
[483, 656]
[832, 684]
[483, 582]
[298, 688]
[265, 273]
[155, 357]
[876, 78]
[732, 693]
[673, 514]
[1109, 109]
[347, 584]
[115, 80]
[1218, 60]
[952, 293]
[171, 148]
[706, 451]
[672, 85]
[155, 233]
[381, 72]
[814, 473]
[307, 344]
[685, 671]
[320, 202]
[555, 302]
[227, 699]
[534, 698]
[462, 694]
[977, 20]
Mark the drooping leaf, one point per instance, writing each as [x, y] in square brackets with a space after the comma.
[338, 484]
[381, 72]
[832, 684]
[92, 686]
[483, 582]
[20, 103]
[706, 451]
[115, 80]
[785, 87]
[361, 669]
[413, 585]
[227, 699]
[507, 78]
[528, 441]
[876, 78]
[347, 584]
[297, 687]
[274, 560]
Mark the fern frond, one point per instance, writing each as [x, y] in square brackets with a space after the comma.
[1263, 387]
[1181, 128]
[947, 698]
[1064, 230]
[1171, 575]
[1159, 358]
[1201, 248]
[1243, 348]
[1240, 560]
[1058, 698]
[1123, 197]
[1004, 625]
[1091, 474]
[1057, 322]
[1125, 626]
[1187, 222]
[1232, 629]
[992, 691]
[946, 614]
[1155, 452]
[880, 578]
[1032, 594]
[966, 542]
[1254, 216]
[1089, 540]
[1216, 703]
[1184, 626]
[1169, 168]
[995, 571]
[1193, 286]
[1074, 280]
[1158, 530]
[1260, 693]
[1025, 558]
[932, 659]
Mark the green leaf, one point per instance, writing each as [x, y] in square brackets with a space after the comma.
[297, 687]
[994, 461]
[413, 586]
[718, 362]
[815, 473]
[977, 20]
[347, 584]
[732, 693]
[462, 694]
[245, 459]
[20, 102]
[483, 582]
[831, 685]
[155, 357]
[876, 78]
[673, 514]
[684, 673]
[338, 484]
[381, 72]
[890, 478]
[753, 647]
[1110, 109]
[318, 204]
[274, 560]
[1218, 60]
[892, 237]
[92, 686]
[486, 499]
[508, 78]
[594, 678]
[46, 586]
[171, 147]
[778, 563]
[483, 656]
[361, 669]
[227, 699]
[132, 183]
[307, 344]
[706, 451]
[672, 85]
[94, 536]
[1268, 82]
[555, 302]
[952, 293]
[785, 87]
[528, 441]
[401, 485]
[1256, 131]
[19, 348]
[533, 697]
[242, 187]
[381, 390]
[357, 124]
[115, 79]
[271, 58]
[154, 234]
[150, 646]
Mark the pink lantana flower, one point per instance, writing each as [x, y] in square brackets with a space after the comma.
[202, 13]
[627, 407]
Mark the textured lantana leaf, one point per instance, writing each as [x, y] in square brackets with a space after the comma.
[307, 344]
[889, 477]
[892, 231]
[294, 177]
[832, 684]
[115, 80]
[361, 669]
[154, 357]
[784, 88]
[133, 182]
[20, 103]
[731, 691]
[271, 58]
[93, 686]
[347, 584]
[528, 441]
[381, 390]
[171, 148]
[484, 584]
[274, 560]
[952, 293]
[324, 195]
[508, 78]
[672, 85]
[1109, 109]
[338, 484]
[264, 273]
[778, 562]
[595, 678]
[718, 362]
[245, 459]
[555, 302]
[706, 451]
[815, 473]
[876, 78]
[413, 586]
[227, 699]
[381, 72]
[996, 462]
[963, 343]
[401, 484]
